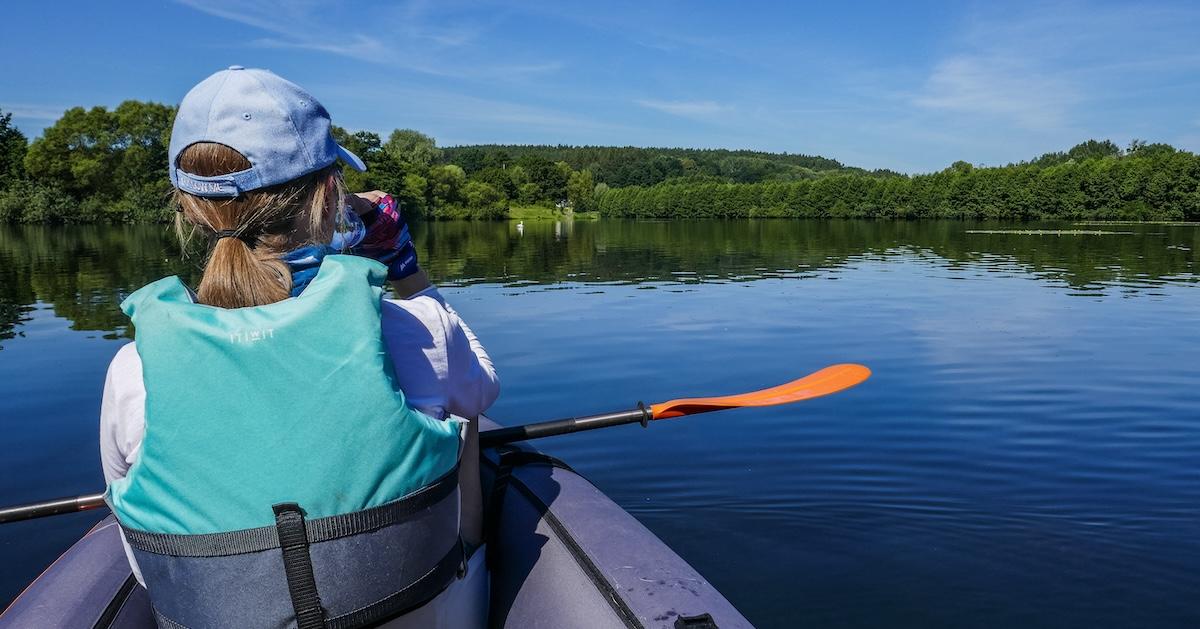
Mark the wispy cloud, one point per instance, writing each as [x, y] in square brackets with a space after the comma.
[32, 111]
[686, 108]
[1038, 69]
[269, 15]
[360, 47]
[458, 108]
[1003, 87]
[415, 40]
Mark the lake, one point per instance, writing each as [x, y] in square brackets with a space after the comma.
[1027, 453]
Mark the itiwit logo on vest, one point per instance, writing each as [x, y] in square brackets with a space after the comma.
[246, 337]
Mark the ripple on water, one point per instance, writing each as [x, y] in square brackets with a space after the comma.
[1024, 455]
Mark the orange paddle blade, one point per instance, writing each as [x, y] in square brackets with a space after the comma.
[828, 380]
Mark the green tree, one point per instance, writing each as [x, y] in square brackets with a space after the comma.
[499, 179]
[1094, 149]
[528, 193]
[76, 152]
[114, 163]
[471, 159]
[368, 147]
[445, 185]
[480, 195]
[140, 175]
[13, 146]
[413, 149]
[581, 191]
[412, 196]
[549, 177]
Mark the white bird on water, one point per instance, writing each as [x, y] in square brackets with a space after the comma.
[521, 227]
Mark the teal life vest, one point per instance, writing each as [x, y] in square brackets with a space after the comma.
[282, 478]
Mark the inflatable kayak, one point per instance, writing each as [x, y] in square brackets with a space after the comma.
[559, 553]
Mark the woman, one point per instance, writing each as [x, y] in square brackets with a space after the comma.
[262, 458]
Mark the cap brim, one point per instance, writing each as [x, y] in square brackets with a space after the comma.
[351, 158]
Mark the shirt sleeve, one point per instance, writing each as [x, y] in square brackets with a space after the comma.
[122, 414]
[440, 364]
[123, 424]
[478, 385]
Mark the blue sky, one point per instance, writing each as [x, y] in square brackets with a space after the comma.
[902, 85]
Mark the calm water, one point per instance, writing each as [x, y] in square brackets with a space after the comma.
[1026, 455]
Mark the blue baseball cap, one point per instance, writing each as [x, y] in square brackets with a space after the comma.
[280, 128]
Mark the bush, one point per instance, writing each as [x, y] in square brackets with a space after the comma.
[27, 202]
[150, 203]
[458, 212]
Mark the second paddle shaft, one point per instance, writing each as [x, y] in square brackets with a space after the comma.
[487, 439]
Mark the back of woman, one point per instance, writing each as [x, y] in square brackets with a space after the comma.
[262, 458]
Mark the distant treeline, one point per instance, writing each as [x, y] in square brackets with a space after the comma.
[621, 166]
[97, 165]
[1095, 180]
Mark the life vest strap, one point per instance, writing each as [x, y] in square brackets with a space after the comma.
[316, 530]
[297, 566]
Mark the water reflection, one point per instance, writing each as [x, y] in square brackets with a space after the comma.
[84, 271]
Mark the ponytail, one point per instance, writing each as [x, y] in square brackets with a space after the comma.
[237, 276]
[251, 231]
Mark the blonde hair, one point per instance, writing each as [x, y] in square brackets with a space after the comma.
[245, 269]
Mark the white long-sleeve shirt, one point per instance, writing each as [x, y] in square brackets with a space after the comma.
[440, 365]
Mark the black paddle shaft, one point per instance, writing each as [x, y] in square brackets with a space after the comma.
[53, 507]
[502, 436]
[487, 439]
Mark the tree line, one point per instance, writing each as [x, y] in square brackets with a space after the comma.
[1094, 180]
[101, 165]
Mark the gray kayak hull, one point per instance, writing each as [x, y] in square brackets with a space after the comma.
[561, 554]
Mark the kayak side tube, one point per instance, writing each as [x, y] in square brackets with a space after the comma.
[565, 555]
[90, 585]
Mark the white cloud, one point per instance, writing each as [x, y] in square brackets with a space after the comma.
[1011, 84]
[33, 112]
[448, 114]
[1003, 87]
[415, 41]
[686, 108]
[268, 15]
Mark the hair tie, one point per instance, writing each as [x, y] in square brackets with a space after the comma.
[233, 233]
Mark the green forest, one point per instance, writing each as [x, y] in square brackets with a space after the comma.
[102, 165]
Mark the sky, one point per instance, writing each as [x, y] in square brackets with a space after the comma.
[910, 86]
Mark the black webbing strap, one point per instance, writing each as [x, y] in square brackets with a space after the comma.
[317, 530]
[412, 596]
[517, 458]
[494, 507]
[510, 457]
[163, 622]
[297, 565]
[204, 544]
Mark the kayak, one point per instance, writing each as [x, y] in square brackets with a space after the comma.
[559, 553]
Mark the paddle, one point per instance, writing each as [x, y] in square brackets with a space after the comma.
[824, 382]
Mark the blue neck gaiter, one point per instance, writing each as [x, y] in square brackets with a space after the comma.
[304, 262]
